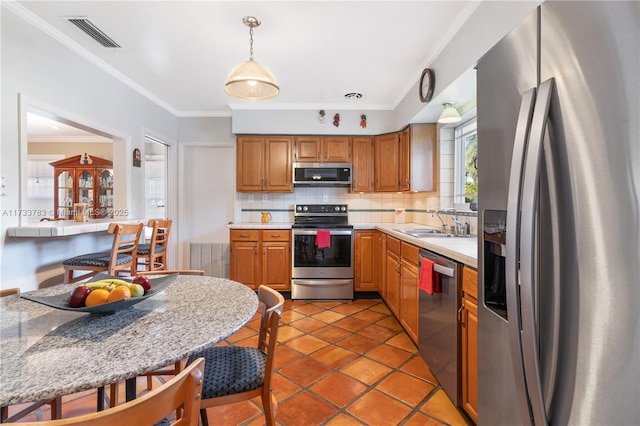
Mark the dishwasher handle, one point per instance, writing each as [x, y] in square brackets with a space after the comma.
[449, 272]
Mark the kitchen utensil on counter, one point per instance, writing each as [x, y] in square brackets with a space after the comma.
[266, 217]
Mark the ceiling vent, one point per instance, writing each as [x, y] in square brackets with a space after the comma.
[89, 28]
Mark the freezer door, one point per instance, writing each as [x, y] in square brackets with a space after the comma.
[505, 74]
[592, 50]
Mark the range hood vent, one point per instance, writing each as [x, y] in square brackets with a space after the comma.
[89, 28]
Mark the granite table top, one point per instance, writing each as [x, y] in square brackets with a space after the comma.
[47, 352]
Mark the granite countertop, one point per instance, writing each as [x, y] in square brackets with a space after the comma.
[48, 352]
[460, 249]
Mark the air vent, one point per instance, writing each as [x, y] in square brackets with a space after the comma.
[88, 27]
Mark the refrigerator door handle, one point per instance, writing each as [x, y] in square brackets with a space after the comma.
[528, 273]
[512, 245]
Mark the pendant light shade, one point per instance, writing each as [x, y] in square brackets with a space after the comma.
[450, 114]
[251, 80]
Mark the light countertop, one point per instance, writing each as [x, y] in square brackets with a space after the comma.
[63, 228]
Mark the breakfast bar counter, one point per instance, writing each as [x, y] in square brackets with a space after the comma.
[47, 352]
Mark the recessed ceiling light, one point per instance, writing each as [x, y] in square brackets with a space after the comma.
[353, 95]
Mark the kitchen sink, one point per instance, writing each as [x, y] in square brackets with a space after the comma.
[423, 232]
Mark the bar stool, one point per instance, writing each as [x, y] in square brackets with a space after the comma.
[121, 257]
[153, 255]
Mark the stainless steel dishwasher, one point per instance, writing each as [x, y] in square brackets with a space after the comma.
[438, 324]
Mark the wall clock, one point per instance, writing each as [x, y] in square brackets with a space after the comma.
[427, 83]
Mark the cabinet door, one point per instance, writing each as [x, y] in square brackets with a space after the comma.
[64, 194]
[365, 242]
[278, 165]
[386, 162]
[405, 159]
[380, 263]
[104, 194]
[244, 263]
[250, 164]
[469, 349]
[276, 265]
[392, 264]
[336, 149]
[410, 258]
[306, 149]
[362, 158]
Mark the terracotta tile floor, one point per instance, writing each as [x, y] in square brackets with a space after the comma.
[338, 363]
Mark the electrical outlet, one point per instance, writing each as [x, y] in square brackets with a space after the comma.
[325, 198]
[250, 198]
[265, 197]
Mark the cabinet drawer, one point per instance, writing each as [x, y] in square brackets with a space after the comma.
[410, 253]
[244, 235]
[470, 281]
[276, 235]
[393, 245]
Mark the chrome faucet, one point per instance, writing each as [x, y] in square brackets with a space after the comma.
[459, 228]
[435, 213]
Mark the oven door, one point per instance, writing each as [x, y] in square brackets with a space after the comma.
[311, 262]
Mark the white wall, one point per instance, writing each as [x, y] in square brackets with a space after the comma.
[42, 70]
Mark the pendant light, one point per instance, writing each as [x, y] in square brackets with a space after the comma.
[450, 114]
[251, 80]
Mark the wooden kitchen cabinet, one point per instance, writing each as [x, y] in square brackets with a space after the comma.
[409, 261]
[318, 149]
[469, 342]
[386, 163]
[261, 257]
[264, 164]
[392, 275]
[77, 181]
[379, 266]
[365, 244]
[418, 170]
[362, 164]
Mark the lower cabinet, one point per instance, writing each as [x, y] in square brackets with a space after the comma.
[468, 318]
[409, 260]
[365, 278]
[392, 276]
[261, 257]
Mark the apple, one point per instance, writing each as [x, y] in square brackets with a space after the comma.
[79, 295]
[143, 280]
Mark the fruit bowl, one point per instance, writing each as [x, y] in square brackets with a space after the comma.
[61, 301]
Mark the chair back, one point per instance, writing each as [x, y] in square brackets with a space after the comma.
[183, 390]
[125, 243]
[272, 303]
[158, 245]
[9, 291]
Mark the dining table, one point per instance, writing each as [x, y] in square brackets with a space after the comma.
[46, 352]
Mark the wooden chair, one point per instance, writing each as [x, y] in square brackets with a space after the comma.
[56, 403]
[181, 392]
[154, 254]
[121, 257]
[237, 373]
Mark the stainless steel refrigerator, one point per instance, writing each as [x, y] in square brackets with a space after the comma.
[559, 191]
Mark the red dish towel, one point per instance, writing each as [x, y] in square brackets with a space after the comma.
[323, 238]
[428, 278]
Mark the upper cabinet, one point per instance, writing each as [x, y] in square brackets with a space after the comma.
[264, 164]
[83, 179]
[317, 149]
[419, 165]
[362, 164]
[386, 163]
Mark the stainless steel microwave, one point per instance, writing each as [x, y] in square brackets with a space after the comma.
[322, 174]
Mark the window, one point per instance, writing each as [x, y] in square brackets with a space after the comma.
[466, 158]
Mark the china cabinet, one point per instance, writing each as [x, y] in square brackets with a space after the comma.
[83, 179]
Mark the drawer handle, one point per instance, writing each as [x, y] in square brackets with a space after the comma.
[244, 235]
[275, 235]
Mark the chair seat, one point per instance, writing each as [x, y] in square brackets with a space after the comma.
[231, 370]
[145, 249]
[97, 259]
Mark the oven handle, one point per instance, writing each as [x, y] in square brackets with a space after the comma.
[322, 282]
[315, 232]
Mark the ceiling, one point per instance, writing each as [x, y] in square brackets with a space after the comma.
[178, 53]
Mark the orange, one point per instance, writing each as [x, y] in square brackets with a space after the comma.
[119, 293]
[97, 297]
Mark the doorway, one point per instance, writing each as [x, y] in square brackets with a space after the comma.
[155, 178]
